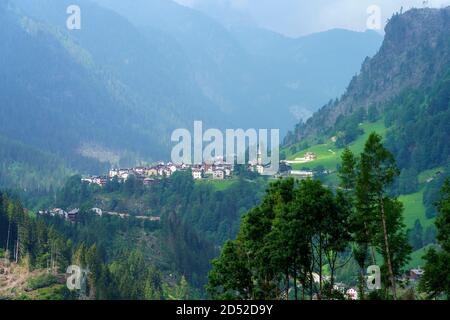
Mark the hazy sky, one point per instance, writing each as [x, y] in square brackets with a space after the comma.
[299, 17]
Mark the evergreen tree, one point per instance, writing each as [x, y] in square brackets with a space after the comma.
[347, 170]
[230, 276]
[416, 235]
[383, 218]
[436, 280]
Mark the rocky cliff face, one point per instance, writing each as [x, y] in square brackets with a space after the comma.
[414, 54]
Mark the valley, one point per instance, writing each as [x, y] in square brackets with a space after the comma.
[89, 116]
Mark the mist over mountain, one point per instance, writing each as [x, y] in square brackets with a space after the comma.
[111, 93]
[415, 54]
[92, 207]
[406, 85]
[57, 99]
[233, 69]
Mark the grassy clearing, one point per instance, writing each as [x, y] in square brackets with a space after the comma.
[425, 175]
[414, 209]
[218, 185]
[329, 156]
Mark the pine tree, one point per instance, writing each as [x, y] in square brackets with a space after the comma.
[416, 235]
[230, 276]
[436, 279]
[377, 170]
[347, 170]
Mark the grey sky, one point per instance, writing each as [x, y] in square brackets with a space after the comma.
[300, 17]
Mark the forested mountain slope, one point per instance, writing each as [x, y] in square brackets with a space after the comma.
[403, 94]
[56, 99]
[111, 93]
[415, 55]
[406, 84]
[236, 69]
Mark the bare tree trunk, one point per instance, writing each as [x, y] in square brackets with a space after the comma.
[287, 284]
[388, 254]
[7, 240]
[374, 259]
[361, 284]
[332, 264]
[295, 281]
[17, 250]
[320, 267]
[303, 290]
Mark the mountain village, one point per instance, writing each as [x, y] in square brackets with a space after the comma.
[216, 170]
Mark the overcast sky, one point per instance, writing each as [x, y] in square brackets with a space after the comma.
[300, 17]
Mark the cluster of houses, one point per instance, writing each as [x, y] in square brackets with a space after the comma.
[286, 169]
[218, 170]
[58, 212]
[308, 157]
[413, 275]
[72, 215]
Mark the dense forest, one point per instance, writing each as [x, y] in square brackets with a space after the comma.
[296, 241]
[118, 269]
[102, 97]
[130, 258]
[212, 212]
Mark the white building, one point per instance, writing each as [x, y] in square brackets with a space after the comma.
[140, 170]
[113, 173]
[302, 173]
[97, 211]
[197, 174]
[259, 168]
[58, 212]
[172, 168]
[124, 176]
[310, 156]
[352, 294]
[219, 174]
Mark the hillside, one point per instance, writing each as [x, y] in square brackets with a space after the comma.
[111, 93]
[394, 97]
[328, 154]
[76, 107]
[403, 94]
[17, 283]
[415, 55]
[235, 69]
[42, 169]
[329, 158]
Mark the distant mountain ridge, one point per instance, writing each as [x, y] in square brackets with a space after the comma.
[244, 83]
[415, 54]
[111, 93]
[56, 99]
[405, 89]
